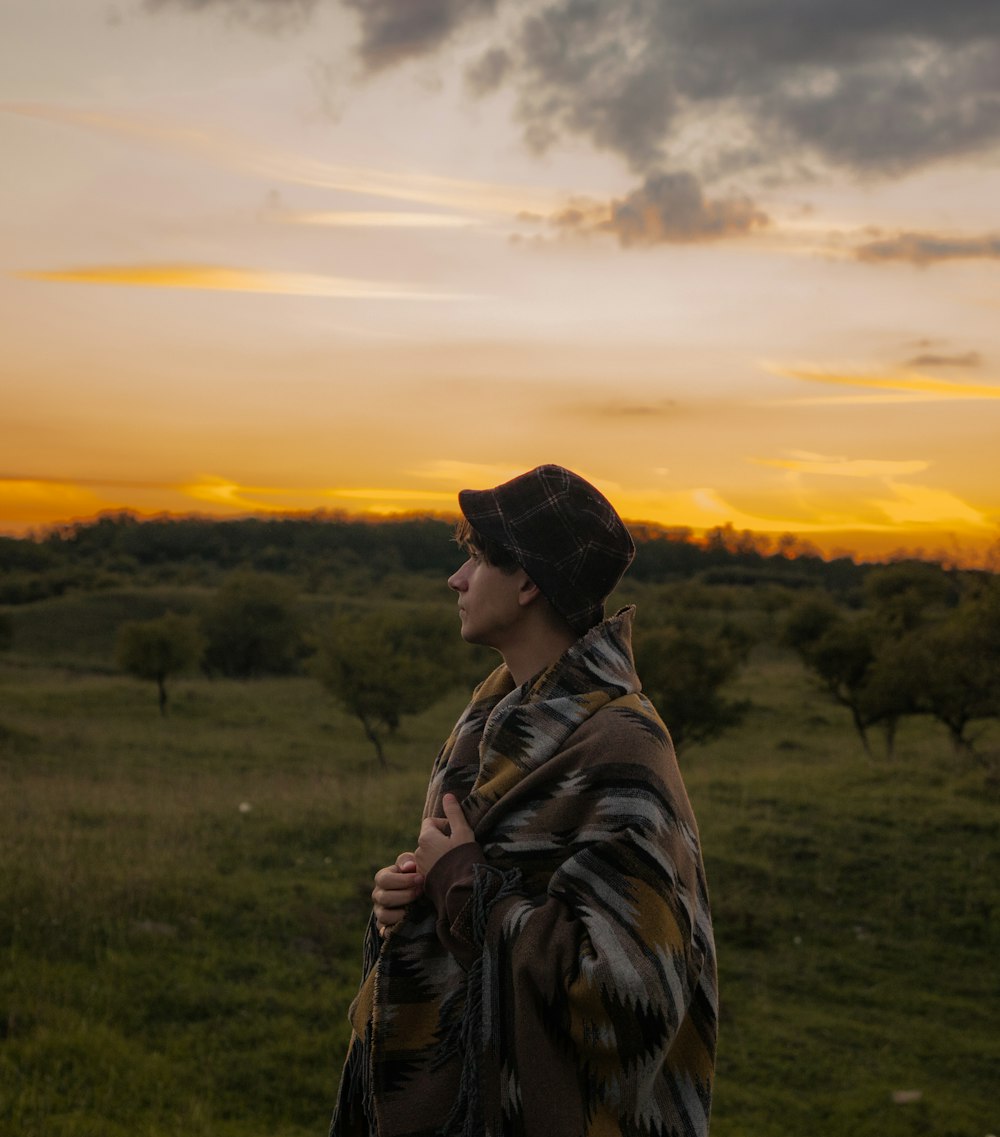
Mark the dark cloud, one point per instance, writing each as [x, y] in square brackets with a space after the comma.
[672, 207]
[393, 31]
[772, 87]
[877, 87]
[266, 15]
[488, 72]
[668, 208]
[927, 248]
[935, 359]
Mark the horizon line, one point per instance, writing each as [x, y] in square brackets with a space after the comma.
[827, 544]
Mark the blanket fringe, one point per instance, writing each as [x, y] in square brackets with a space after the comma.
[466, 1117]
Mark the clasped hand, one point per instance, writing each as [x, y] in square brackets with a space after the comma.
[399, 884]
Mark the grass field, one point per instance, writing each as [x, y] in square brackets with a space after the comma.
[181, 904]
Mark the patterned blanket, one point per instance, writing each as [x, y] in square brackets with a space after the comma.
[591, 1006]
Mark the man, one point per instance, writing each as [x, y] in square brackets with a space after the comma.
[542, 964]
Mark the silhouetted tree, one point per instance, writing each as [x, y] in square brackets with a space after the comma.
[383, 666]
[252, 628]
[157, 649]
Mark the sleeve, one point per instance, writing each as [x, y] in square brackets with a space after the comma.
[449, 887]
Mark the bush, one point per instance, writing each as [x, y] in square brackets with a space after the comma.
[252, 628]
[683, 671]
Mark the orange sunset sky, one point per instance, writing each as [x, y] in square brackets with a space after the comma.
[735, 263]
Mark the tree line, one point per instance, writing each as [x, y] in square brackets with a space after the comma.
[323, 548]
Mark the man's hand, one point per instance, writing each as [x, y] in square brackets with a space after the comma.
[439, 835]
[395, 886]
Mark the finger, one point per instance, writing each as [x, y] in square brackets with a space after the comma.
[453, 811]
[392, 880]
[397, 897]
[406, 862]
[389, 916]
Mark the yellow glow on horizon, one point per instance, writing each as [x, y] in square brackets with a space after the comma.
[214, 278]
[26, 503]
[275, 499]
[915, 517]
[920, 505]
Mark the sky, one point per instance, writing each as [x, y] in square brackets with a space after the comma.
[734, 261]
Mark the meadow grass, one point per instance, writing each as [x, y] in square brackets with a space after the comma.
[182, 902]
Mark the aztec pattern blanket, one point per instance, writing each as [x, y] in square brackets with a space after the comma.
[590, 1009]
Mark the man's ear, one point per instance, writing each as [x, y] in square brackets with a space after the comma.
[527, 592]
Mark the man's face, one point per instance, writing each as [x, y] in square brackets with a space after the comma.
[488, 603]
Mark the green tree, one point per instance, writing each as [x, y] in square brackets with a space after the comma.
[252, 628]
[952, 667]
[840, 651]
[905, 595]
[157, 649]
[915, 649]
[383, 666]
[683, 671]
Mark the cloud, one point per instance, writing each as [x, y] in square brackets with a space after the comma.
[902, 387]
[378, 219]
[488, 73]
[842, 467]
[225, 493]
[891, 504]
[617, 408]
[936, 359]
[668, 208]
[234, 153]
[872, 88]
[691, 93]
[213, 278]
[924, 506]
[869, 87]
[924, 249]
[27, 501]
[392, 32]
[266, 15]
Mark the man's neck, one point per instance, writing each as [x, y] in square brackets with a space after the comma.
[529, 655]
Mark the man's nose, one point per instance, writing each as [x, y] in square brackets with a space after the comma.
[456, 581]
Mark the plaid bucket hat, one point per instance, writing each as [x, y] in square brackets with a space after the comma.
[562, 531]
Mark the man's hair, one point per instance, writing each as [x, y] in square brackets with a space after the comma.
[495, 554]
